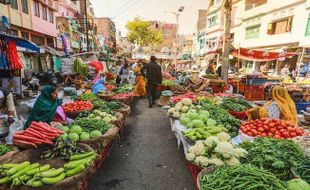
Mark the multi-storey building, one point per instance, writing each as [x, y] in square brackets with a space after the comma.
[32, 19]
[169, 32]
[265, 25]
[107, 32]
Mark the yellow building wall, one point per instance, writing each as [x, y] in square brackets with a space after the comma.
[15, 17]
[4, 10]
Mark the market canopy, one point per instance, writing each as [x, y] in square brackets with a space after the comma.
[259, 56]
[20, 42]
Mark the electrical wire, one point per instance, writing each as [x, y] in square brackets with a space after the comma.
[124, 6]
[129, 8]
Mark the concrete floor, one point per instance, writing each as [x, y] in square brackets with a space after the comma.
[146, 158]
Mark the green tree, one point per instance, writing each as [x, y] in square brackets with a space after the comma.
[141, 32]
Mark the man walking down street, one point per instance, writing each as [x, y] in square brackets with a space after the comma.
[152, 72]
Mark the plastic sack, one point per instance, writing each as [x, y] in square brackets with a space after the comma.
[18, 125]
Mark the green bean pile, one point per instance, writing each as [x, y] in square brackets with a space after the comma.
[4, 149]
[243, 177]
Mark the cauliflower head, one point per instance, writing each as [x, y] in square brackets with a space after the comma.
[225, 149]
[240, 152]
[197, 149]
[233, 161]
[211, 141]
[190, 156]
[201, 160]
[216, 161]
[224, 137]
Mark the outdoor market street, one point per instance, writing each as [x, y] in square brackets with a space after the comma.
[146, 156]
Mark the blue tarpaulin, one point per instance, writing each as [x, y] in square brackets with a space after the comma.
[20, 42]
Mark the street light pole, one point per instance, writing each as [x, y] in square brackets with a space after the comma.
[226, 41]
[177, 14]
[86, 27]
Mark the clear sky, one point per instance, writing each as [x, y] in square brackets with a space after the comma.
[123, 10]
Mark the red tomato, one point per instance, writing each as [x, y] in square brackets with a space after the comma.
[299, 132]
[277, 137]
[271, 124]
[250, 134]
[270, 134]
[261, 129]
[254, 132]
[273, 130]
[264, 134]
[293, 134]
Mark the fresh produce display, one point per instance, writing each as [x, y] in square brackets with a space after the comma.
[271, 128]
[123, 96]
[37, 133]
[200, 125]
[109, 87]
[235, 104]
[82, 127]
[241, 177]
[123, 89]
[276, 155]
[63, 149]
[221, 116]
[104, 105]
[87, 96]
[4, 149]
[302, 169]
[35, 175]
[215, 150]
[177, 99]
[167, 82]
[78, 106]
[101, 115]
[182, 106]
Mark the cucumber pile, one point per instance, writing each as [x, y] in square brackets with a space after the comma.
[36, 175]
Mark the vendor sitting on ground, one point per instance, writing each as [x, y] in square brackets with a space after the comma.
[196, 83]
[45, 106]
[7, 104]
[280, 107]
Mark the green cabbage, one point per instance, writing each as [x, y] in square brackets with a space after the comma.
[73, 137]
[84, 136]
[65, 129]
[185, 120]
[211, 122]
[95, 134]
[297, 184]
[192, 115]
[76, 129]
[198, 123]
[185, 109]
[186, 101]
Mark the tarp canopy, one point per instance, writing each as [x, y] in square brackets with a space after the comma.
[259, 56]
[20, 42]
[52, 51]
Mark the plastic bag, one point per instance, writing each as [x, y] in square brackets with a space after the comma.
[61, 116]
[18, 125]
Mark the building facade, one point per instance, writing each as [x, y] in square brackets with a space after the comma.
[106, 31]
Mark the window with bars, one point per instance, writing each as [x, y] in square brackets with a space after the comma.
[25, 6]
[39, 40]
[14, 4]
[25, 35]
[213, 21]
[252, 32]
[36, 8]
[44, 12]
[51, 15]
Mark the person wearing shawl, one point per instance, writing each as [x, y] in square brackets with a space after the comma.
[140, 87]
[45, 106]
[280, 107]
[98, 86]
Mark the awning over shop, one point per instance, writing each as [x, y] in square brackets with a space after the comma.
[259, 56]
[20, 42]
[47, 49]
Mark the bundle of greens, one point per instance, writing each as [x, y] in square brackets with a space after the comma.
[235, 104]
[86, 96]
[275, 155]
[92, 124]
[4, 149]
[123, 89]
[62, 149]
[240, 178]
[302, 169]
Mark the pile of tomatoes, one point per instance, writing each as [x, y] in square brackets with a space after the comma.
[271, 128]
[78, 106]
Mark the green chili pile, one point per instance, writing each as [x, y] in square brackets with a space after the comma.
[4, 149]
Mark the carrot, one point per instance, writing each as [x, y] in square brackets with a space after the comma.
[16, 141]
[32, 134]
[36, 132]
[31, 139]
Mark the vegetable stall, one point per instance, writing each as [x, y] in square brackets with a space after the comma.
[227, 151]
[63, 155]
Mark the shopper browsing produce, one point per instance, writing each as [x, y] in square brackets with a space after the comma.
[280, 107]
[45, 107]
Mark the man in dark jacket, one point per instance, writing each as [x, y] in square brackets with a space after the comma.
[152, 72]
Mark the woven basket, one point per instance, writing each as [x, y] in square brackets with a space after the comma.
[9, 155]
[125, 110]
[99, 143]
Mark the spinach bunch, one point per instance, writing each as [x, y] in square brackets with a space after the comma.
[276, 155]
[235, 104]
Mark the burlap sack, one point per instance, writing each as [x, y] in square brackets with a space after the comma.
[125, 110]
[120, 120]
[99, 143]
[9, 155]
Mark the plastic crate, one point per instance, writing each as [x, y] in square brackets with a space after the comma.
[254, 92]
[256, 81]
[302, 106]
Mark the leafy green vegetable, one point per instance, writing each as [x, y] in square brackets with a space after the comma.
[303, 169]
[86, 96]
[90, 124]
[275, 155]
[241, 177]
[297, 184]
[4, 149]
[235, 104]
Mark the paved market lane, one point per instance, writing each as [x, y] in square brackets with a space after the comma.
[146, 157]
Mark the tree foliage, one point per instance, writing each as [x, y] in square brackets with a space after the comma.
[141, 32]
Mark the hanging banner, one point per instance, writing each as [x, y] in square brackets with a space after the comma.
[259, 56]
